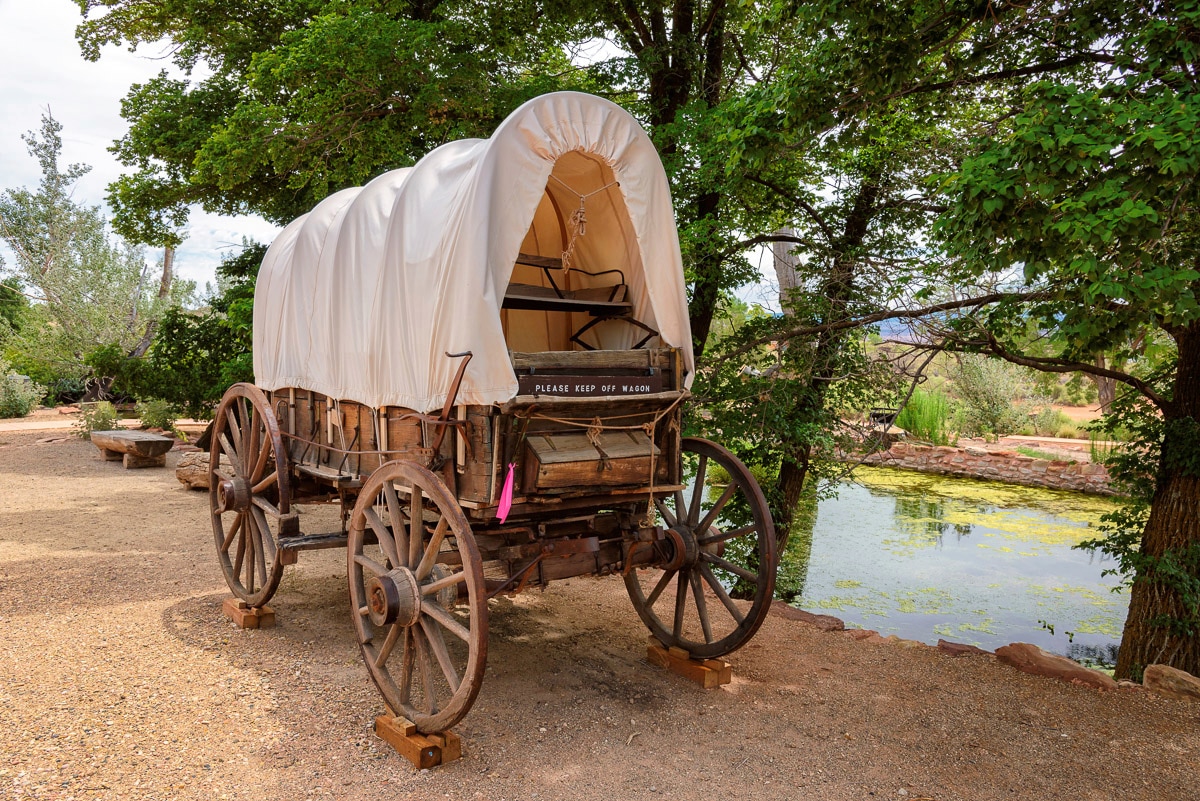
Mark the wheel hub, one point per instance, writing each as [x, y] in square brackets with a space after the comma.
[684, 550]
[394, 597]
[233, 495]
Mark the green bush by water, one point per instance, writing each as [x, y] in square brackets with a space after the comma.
[924, 417]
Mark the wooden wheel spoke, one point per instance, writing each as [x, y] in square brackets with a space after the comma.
[234, 459]
[416, 525]
[233, 530]
[446, 620]
[266, 542]
[432, 548]
[701, 605]
[681, 588]
[437, 644]
[711, 517]
[658, 588]
[399, 521]
[680, 506]
[662, 510]
[260, 464]
[241, 549]
[725, 536]
[386, 543]
[252, 557]
[265, 505]
[698, 492]
[266, 483]
[406, 667]
[435, 587]
[720, 592]
[389, 643]
[370, 564]
[236, 430]
[725, 564]
[425, 667]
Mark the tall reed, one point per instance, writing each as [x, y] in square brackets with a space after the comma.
[925, 416]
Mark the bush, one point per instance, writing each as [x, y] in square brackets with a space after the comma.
[989, 390]
[1048, 421]
[158, 413]
[925, 416]
[18, 395]
[101, 416]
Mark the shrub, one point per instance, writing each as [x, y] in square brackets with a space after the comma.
[925, 416]
[101, 416]
[1048, 421]
[18, 395]
[158, 413]
[989, 390]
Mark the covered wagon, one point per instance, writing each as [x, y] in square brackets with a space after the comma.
[483, 358]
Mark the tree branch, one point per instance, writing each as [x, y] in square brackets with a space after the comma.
[892, 314]
[799, 201]
[764, 239]
[1000, 75]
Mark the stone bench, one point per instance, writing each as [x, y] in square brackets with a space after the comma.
[134, 448]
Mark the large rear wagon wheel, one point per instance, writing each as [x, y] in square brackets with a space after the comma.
[248, 492]
[714, 585]
[417, 596]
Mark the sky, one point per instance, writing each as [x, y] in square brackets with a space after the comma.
[41, 68]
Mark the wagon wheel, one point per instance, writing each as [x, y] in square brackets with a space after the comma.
[417, 595]
[714, 583]
[248, 490]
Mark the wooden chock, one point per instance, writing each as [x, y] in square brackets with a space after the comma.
[708, 673]
[422, 750]
[248, 617]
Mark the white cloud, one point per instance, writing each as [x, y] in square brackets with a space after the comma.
[41, 67]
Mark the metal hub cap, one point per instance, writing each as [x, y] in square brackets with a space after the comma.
[394, 598]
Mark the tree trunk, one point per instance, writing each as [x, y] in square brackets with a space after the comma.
[1106, 388]
[1162, 625]
[164, 292]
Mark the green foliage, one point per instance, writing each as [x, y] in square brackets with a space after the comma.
[1034, 453]
[90, 291]
[18, 395]
[157, 413]
[988, 391]
[925, 417]
[13, 303]
[98, 416]
[1048, 421]
[1080, 391]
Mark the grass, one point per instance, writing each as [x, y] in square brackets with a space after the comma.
[925, 417]
[1025, 450]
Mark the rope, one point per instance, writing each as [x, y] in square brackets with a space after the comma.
[596, 426]
[578, 220]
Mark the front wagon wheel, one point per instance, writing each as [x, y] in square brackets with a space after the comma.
[714, 582]
[417, 596]
[248, 489]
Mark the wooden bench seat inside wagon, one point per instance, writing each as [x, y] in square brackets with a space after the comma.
[578, 282]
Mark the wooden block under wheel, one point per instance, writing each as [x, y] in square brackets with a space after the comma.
[708, 673]
[422, 750]
[248, 617]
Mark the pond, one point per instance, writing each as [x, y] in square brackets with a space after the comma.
[926, 557]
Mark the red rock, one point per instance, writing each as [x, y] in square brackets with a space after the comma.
[1172, 682]
[1031, 659]
[822, 622]
[861, 634]
[960, 649]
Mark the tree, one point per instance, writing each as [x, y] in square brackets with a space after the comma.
[89, 291]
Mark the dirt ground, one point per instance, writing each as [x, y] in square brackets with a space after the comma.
[121, 678]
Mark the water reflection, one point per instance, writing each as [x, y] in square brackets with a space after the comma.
[928, 557]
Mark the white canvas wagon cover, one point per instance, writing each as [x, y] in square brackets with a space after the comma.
[362, 298]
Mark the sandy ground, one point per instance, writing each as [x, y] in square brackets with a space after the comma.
[120, 678]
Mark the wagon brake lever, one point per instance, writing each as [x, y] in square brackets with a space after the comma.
[451, 396]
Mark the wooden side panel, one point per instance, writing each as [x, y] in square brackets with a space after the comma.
[475, 472]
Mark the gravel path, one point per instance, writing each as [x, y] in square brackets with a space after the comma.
[120, 678]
